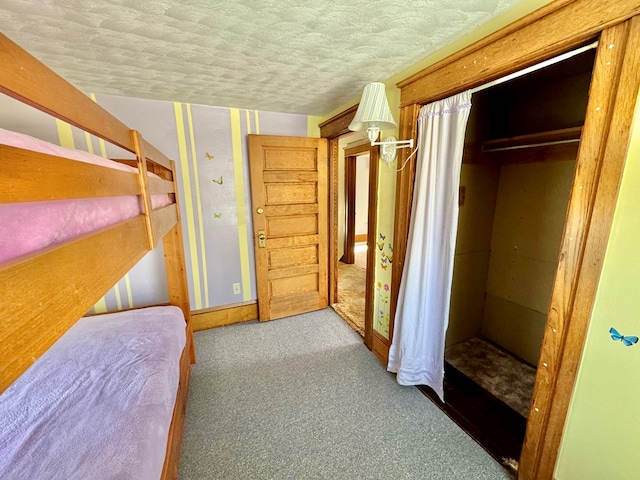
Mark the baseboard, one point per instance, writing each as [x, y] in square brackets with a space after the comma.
[224, 315]
[380, 347]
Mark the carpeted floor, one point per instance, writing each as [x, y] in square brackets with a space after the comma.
[504, 376]
[303, 398]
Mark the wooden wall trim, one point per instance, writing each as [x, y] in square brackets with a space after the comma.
[599, 170]
[333, 220]
[404, 196]
[224, 315]
[338, 124]
[349, 256]
[372, 229]
[547, 32]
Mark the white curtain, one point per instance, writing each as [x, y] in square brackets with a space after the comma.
[422, 314]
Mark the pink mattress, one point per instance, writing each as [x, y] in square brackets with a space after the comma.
[31, 226]
[98, 404]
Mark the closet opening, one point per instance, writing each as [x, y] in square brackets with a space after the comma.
[518, 166]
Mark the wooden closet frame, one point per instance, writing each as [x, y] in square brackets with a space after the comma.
[553, 29]
[45, 293]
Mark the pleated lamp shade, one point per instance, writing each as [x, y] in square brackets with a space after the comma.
[373, 110]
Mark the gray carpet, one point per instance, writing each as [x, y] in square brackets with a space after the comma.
[302, 398]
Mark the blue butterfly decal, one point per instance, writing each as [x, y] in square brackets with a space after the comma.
[627, 340]
[382, 237]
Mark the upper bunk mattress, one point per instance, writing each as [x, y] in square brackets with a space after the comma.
[31, 226]
[98, 404]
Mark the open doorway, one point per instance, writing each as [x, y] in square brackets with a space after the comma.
[353, 237]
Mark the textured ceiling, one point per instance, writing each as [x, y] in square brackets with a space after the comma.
[293, 56]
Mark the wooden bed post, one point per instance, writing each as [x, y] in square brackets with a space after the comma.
[175, 267]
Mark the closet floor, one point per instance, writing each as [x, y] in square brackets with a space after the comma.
[487, 393]
[503, 375]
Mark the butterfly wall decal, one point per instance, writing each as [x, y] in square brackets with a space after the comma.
[218, 181]
[217, 215]
[626, 339]
[208, 155]
[380, 245]
[382, 237]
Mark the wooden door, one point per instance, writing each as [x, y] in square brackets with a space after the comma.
[290, 228]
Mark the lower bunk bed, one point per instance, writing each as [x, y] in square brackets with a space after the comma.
[100, 402]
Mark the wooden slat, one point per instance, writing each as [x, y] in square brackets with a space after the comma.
[553, 29]
[138, 145]
[155, 155]
[159, 185]
[28, 80]
[29, 176]
[61, 294]
[601, 159]
[176, 269]
[163, 220]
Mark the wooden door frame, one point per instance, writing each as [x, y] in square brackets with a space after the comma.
[350, 215]
[332, 129]
[553, 29]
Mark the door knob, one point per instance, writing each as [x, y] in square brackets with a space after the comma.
[261, 239]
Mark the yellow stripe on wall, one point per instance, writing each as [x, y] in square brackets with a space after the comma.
[196, 180]
[87, 137]
[116, 290]
[188, 204]
[127, 282]
[255, 114]
[103, 148]
[236, 141]
[65, 134]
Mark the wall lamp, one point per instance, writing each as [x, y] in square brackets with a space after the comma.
[373, 115]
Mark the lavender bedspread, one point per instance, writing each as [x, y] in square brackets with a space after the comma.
[27, 227]
[99, 402]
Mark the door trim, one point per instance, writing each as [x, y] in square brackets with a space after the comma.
[332, 129]
[545, 33]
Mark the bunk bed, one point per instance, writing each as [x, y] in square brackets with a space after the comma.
[47, 287]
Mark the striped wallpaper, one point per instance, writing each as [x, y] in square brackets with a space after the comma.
[209, 146]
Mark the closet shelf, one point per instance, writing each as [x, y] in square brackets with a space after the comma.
[540, 139]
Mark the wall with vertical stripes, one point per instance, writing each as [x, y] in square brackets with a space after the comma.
[209, 146]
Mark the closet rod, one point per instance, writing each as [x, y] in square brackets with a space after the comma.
[529, 145]
[535, 67]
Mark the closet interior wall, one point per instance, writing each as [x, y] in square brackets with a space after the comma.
[513, 205]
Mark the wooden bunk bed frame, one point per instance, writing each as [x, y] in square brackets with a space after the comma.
[45, 293]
